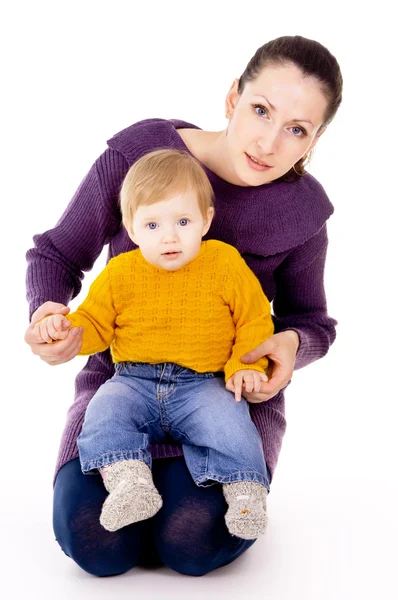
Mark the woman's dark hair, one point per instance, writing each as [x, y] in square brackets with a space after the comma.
[313, 60]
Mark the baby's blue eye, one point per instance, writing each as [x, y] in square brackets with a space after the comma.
[183, 222]
[151, 225]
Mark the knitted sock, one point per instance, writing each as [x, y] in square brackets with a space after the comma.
[246, 516]
[132, 494]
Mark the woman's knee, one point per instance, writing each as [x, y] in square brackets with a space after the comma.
[78, 531]
[197, 563]
[193, 539]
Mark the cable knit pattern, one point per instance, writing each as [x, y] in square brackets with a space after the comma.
[191, 317]
[279, 229]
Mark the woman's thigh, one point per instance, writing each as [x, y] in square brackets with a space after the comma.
[189, 531]
[78, 501]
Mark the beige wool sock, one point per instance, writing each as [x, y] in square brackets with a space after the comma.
[132, 494]
[246, 516]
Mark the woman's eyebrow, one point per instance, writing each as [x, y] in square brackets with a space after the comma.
[267, 101]
[293, 120]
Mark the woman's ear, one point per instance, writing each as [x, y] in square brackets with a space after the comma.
[231, 99]
[313, 144]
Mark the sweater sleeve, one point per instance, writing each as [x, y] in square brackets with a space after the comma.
[300, 301]
[251, 313]
[60, 255]
[97, 316]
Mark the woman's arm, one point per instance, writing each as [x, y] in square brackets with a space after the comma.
[300, 300]
[303, 329]
[60, 256]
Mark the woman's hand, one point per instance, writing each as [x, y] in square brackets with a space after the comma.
[247, 379]
[281, 350]
[61, 351]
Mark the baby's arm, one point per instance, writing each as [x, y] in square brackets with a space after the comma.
[251, 313]
[96, 315]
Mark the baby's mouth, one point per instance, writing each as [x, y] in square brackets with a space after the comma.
[170, 255]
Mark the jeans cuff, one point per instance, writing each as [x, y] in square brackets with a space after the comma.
[113, 457]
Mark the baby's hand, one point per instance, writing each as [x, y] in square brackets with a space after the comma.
[52, 328]
[249, 379]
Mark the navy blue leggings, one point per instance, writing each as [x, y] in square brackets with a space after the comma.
[188, 534]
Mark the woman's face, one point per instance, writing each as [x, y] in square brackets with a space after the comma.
[273, 122]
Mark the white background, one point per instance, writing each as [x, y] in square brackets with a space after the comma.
[75, 73]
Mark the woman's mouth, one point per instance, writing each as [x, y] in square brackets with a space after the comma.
[257, 164]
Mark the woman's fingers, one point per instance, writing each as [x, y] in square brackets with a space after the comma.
[61, 351]
[258, 352]
[281, 375]
[69, 352]
[256, 398]
[67, 355]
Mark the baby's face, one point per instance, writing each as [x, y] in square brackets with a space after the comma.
[169, 233]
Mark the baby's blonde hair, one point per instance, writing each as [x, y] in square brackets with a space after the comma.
[160, 175]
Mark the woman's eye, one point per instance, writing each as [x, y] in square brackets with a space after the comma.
[151, 225]
[183, 222]
[260, 110]
[298, 131]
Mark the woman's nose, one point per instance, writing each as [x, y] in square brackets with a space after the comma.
[268, 143]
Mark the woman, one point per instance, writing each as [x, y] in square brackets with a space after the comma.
[275, 215]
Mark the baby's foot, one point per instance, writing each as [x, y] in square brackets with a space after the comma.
[133, 496]
[246, 516]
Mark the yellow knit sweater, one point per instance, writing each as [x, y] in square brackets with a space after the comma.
[204, 316]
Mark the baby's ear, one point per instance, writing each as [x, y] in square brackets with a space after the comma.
[132, 236]
[210, 215]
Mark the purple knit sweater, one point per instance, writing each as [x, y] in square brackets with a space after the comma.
[279, 228]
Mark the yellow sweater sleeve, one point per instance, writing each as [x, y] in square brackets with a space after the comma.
[251, 313]
[97, 315]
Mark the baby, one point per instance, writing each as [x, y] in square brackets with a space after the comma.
[177, 314]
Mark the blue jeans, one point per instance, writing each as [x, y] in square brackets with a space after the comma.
[145, 403]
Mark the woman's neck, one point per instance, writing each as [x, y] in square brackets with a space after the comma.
[209, 147]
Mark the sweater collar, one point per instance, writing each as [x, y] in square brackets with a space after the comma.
[164, 272]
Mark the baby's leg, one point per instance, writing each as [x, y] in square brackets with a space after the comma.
[132, 494]
[221, 443]
[246, 516]
[120, 421]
